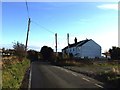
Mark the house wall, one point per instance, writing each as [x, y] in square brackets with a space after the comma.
[70, 50]
[90, 49]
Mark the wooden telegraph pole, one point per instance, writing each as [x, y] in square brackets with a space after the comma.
[68, 43]
[27, 35]
[56, 42]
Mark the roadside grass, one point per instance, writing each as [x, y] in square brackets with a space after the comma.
[13, 72]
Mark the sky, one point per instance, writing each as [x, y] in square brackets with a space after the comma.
[92, 20]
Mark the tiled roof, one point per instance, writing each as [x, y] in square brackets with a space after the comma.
[80, 43]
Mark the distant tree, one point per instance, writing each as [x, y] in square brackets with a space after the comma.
[7, 52]
[19, 49]
[3, 50]
[11, 51]
[32, 54]
[107, 54]
[115, 53]
[47, 53]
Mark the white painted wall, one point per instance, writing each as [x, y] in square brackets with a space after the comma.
[90, 49]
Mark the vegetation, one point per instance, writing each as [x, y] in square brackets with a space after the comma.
[47, 53]
[19, 50]
[32, 55]
[7, 52]
[14, 65]
[13, 72]
[115, 53]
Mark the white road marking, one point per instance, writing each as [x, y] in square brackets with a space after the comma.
[61, 68]
[99, 85]
[29, 83]
[66, 70]
[74, 74]
[86, 79]
[58, 67]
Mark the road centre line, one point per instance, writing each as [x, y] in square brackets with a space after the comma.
[81, 76]
[99, 85]
[74, 74]
[86, 79]
[63, 69]
[58, 67]
[66, 70]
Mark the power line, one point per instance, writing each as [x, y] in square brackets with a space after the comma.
[35, 22]
[27, 8]
[43, 27]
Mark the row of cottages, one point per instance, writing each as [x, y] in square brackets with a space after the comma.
[83, 49]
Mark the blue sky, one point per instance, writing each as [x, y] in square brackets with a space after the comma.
[92, 20]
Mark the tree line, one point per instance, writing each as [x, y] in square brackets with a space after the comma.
[46, 53]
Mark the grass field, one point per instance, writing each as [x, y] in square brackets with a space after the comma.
[13, 72]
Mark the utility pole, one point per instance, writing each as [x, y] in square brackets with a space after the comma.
[68, 42]
[27, 35]
[56, 42]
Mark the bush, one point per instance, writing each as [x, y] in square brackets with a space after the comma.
[19, 50]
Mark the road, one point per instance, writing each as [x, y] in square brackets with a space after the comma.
[44, 75]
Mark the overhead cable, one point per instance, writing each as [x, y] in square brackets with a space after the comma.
[43, 27]
[27, 9]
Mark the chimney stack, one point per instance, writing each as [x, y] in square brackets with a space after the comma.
[75, 40]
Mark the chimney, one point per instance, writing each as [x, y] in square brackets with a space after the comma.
[75, 40]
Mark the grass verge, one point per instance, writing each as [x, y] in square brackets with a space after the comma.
[13, 72]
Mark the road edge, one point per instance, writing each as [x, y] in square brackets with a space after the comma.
[30, 75]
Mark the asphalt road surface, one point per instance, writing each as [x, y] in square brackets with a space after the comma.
[45, 75]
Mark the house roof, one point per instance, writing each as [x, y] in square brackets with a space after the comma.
[80, 43]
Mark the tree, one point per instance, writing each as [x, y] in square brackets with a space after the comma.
[47, 53]
[32, 54]
[19, 50]
[115, 53]
[3, 49]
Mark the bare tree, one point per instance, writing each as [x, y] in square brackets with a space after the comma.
[19, 50]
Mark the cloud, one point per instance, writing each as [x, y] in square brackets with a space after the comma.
[108, 6]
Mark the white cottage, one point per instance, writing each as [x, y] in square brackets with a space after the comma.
[85, 48]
